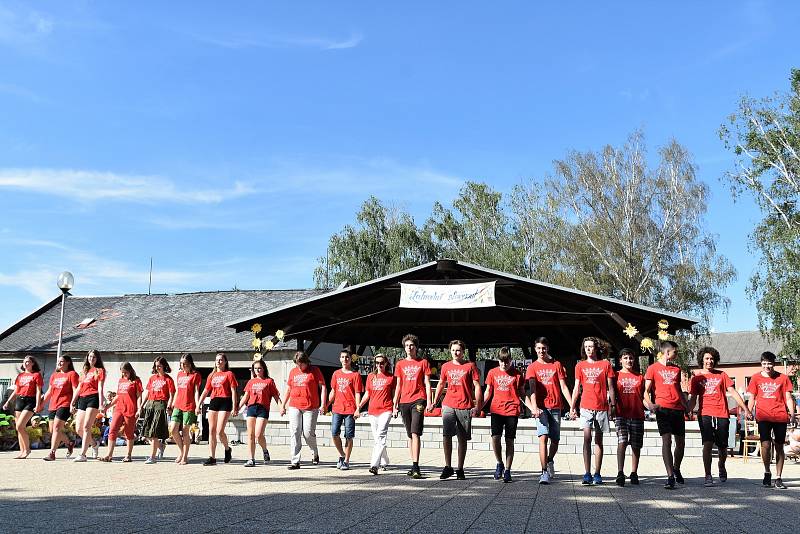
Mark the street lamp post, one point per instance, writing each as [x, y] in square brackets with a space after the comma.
[65, 282]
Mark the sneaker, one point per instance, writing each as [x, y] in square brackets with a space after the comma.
[161, 449]
[544, 478]
[339, 462]
[620, 480]
[373, 470]
[95, 451]
[447, 472]
[385, 467]
[228, 455]
[315, 460]
[266, 456]
[460, 474]
[345, 466]
[416, 474]
[410, 472]
[79, 458]
[50, 457]
[597, 480]
[779, 484]
[634, 478]
[210, 461]
[250, 463]
[670, 485]
[498, 471]
[587, 479]
[709, 481]
[551, 469]
[507, 476]
[150, 460]
[293, 466]
[767, 482]
[723, 475]
[678, 476]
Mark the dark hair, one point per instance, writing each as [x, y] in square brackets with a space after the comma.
[768, 357]
[541, 340]
[348, 352]
[163, 361]
[126, 366]
[707, 350]
[388, 363]
[456, 342]
[666, 344]
[263, 366]
[190, 360]
[504, 354]
[412, 338]
[629, 352]
[98, 361]
[301, 357]
[67, 359]
[225, 359]
[626, 352]
[597, 348]
[36, 368]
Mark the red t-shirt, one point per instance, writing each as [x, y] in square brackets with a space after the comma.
[26, 384]
[547, 379]
[630, 392]
[62, 386]
[710, 389]
[91, 380]
[770, 396]
[185, 386]
[344, 387]
[127, 393]
[506, 386]
[411, 377]
[667, 383]
[460, 385]
[304, 388]
[221, 384]
[381, 393]
[261, 391]
[159, 388]
[593, 376]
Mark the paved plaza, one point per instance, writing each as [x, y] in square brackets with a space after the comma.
[62, 496]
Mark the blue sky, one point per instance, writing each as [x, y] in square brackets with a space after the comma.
[228, 144]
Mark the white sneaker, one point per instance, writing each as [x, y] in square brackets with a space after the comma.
[160, 452]
[545, 478]
[345, 466]
[79, 458]
[150, 460]
[551, 469]
[95, 452]
[339, 463]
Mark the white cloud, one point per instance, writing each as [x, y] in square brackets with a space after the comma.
[90, 186]
[321, 43]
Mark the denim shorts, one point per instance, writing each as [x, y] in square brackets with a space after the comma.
[257, 410]
[549, 423]
[349, 425]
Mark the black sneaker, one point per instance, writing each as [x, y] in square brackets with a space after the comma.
[767, 482]
[460, 474]
[779, 484]
[373, 470]
[410, 472]
[416, 474]
[678, 476]
[315, 460]
[293, 466]
[723, 474]
[210, 461]
[634, 478]
[228, 454]
[620, 479]
[670, 485]
[447, 472]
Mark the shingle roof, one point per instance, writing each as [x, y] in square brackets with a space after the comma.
[183, 322]
[742, 347]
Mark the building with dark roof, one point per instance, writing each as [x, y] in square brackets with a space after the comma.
[740, 354]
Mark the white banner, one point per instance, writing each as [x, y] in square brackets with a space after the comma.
[447, 297]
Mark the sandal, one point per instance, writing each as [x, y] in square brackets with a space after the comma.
[105, 458]
[127, 459]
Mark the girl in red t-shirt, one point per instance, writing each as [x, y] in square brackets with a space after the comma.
[127, 406]
[221, 386]
[86, 400]
[63, 384]
[187, 397]
[157, 398]
[305, 394]
[381, 384]
[27, 398]
[258, 395]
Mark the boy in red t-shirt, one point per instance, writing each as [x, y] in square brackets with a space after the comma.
[771, 401]
[458, 407]
[505, 386]
[629, 421]
[710, 389]
[670, 407]
[412, 397]
[345, 395]
[593, 383]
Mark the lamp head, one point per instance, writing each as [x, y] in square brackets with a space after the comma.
[66, 281]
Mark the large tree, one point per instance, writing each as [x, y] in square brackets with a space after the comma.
[764, 134]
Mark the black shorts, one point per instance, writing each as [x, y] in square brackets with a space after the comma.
[25, 404]
[62, 413]
[507, 423]
[715, 430]
[89, 401]
[670, 422]
[413, 416]
[220, 404]
[770, 428]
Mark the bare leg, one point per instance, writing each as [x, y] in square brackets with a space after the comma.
[666, 453]
[543, 451]
[587, 450]
[222, 420]
[88, 422]
[462, 452]
[680, 445]
[497, 448]
[175, 432]
[707, 446]
[598, 451]
[261, 424]
[348, 449]
[447, 443]
[780, 457]
[553, 449]
[766, 455]
[621, 456]
[187, 441]
[414, 445]
[337, 441]
[509, 452]
[129, 444]
[212, 432]
[251, 437]
[635, 453]
[154, 442]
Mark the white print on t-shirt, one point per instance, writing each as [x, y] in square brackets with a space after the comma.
[25, 380]
[300, 379]
[379, 384]
[454, 376]
[183, 381]
[711, 385]
[123, 387]
[629, 384]
[218, 380]
[768, 389]
[411, 371]
[668, 376]
[342, 384]
[503, 382]
[591, 374]
[59, 382]
[545, 376]
[158, 384]
[258, 387]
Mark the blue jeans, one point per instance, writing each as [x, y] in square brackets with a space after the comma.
[349, 425]
[549, 424]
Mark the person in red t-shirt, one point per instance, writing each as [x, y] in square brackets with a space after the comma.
[187, 399]
[460, 403]
[258, 395]
[158, 397]
[27, 399]
[505, 387]
[547, 382]
[629, 421]
[63, 384]
[772, 403]
[594, 384]
[345, 395]
[222, 386]
[305, 394]
[710, 387]
[380, 394]
[127, 406]
[670, 407]
[412, 397]
[86, 400]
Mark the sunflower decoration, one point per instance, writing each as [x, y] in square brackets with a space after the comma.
[663, 335]
[663, 324]
[647, 345]
[256, 328]
[280, 334]
[630, 331]
[256, 343]
[268, 345]
[257, 356]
